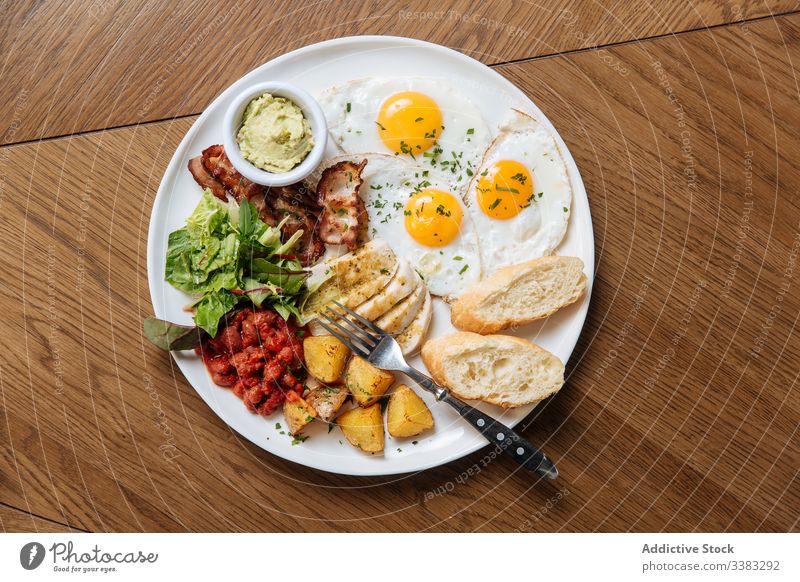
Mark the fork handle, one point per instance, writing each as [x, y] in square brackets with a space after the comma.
[511, 443]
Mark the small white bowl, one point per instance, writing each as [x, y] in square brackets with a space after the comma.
[313, 113]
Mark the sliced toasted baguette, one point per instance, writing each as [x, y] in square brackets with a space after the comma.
[412, 336]
[519, 294]
[499, 369]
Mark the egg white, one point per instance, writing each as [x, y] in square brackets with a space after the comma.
[351, 111]
[538, 229]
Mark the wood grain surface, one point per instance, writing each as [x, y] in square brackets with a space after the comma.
[74, 65]
[14, 520]
[680, 412]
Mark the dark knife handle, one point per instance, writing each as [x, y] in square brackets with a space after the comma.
[511, 443]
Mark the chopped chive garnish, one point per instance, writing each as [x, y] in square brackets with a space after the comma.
[299, 439]
[504, 189]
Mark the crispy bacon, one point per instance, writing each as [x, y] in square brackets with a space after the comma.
[216, 162]
[285, 203]
[203, 177]
[214, 170]
[342, 209]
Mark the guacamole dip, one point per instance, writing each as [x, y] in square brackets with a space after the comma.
[275, 136]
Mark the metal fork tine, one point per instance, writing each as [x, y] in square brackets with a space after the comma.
[363, 320]
[368, 345]
[367, 337]
[356, 350]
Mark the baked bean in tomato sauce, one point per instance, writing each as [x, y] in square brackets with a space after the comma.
[259, 355]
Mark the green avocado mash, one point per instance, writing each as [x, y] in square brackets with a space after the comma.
[275, 136]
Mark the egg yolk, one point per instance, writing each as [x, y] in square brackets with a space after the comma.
[409, 122]
[433, 217]
[504, 189]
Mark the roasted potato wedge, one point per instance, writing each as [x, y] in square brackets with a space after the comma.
[363, 427]
[366, 382]
[407, 414]
[327, 400]
[325, 357]
[298, 413]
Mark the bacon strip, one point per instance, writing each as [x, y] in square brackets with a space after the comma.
[216, 162]
[342, 208]
[212, 169]
[285, 204]
[205, 179]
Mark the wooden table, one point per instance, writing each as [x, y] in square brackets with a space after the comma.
[681, 408]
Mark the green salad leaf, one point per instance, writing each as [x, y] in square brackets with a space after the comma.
[226, 255]
[171, 336]
[211, 308]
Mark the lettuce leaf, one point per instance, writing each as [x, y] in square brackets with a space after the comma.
[213, 307]
[178, 272]
[210, 215]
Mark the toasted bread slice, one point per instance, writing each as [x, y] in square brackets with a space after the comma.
[412, 336]
[499, 369]
[404, 282]
[401, 315]
[519, 294]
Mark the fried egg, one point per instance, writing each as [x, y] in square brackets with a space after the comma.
[422, 220]
[520, 197]
[422, 120]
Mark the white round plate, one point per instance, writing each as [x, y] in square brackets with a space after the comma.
[314, 68]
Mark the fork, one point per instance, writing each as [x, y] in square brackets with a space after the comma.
[380, 348]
